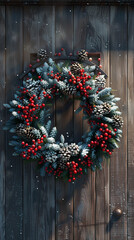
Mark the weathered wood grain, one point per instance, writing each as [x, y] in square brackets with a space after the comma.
[2, 121]
[94, 38]
[14, 61]
[99, 22]
[64, 124]
[130, 123]
[39, 199]
[84, 191]
[118, 68]
[66, 2]
[29, 179]
[33, 199]
[47, 184]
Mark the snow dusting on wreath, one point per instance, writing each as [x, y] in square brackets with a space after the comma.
[33, 136]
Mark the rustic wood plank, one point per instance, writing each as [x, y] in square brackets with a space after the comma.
[84, 191]
[65, 2]
[14, 61]
[2, 121]
[99, 19]
[130, 123]
[30, 46]
[64, 124]
[47, 184]
[94, 38]
[118, 64]
[39, 191]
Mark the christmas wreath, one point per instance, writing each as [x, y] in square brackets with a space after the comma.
[33, 136]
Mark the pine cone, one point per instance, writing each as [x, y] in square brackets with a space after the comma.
[117, 121]
[106, 108]
[100, 81]
[51, 156]
[98, 111]
[75, 68]
[74, 149]
[69, 90]
[42, 53]
[82, 55]
[26, 132]
[62, 164]
[64, 156]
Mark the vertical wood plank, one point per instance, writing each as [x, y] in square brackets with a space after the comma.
[84, 191]
[130, 123]
[64, 123]
[39, 200]
[118, 64]
[93, 35]
[14, 61]
[2, 121]
[47, 184]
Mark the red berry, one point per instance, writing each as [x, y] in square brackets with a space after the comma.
[23, 143]
[39, 147]
[106, 134]
[110, 153]
[99, 59]
[59, 54]
[30, 65]
[69, 180]
[62, 49]
[115, 129]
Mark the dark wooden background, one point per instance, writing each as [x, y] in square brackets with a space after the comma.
[36, 208]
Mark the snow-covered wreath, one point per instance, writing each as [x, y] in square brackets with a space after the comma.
[33, 136]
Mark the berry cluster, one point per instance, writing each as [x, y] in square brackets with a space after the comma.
[28, 112]
[101, 140]
[77, 168]
[80, 82]
[74, 168]
[32, 149]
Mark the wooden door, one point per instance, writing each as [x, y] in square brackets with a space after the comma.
[42, 208]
